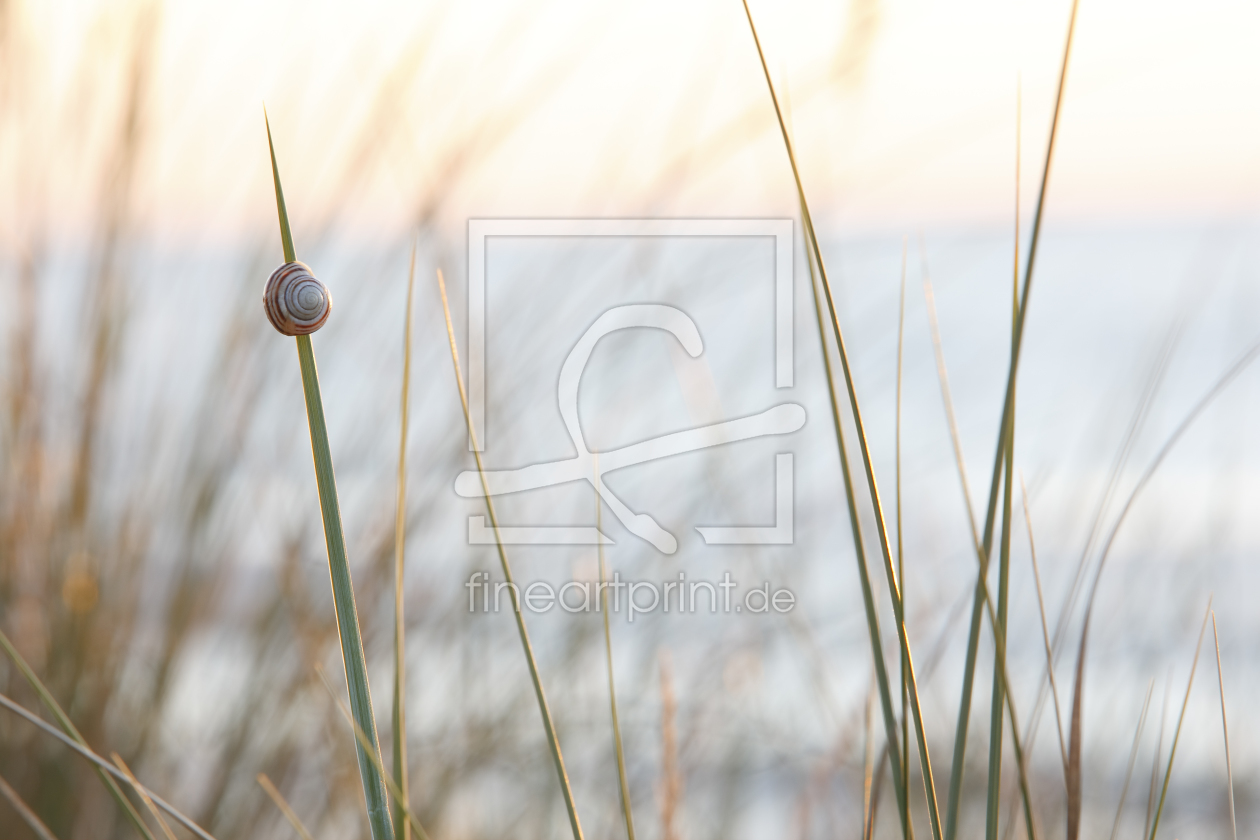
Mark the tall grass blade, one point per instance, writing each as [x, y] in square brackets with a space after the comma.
[622, 779]
[1159, 754]
[1133, 753]
[63, 720]
[1008, 410]
[32, 820]
[1074, 744]
[402, 829]
[999, 636]
[1172, 750]
[135, 783]
[553, 740]
[281, 803]
[868, 597]
[1229, 765]
[881, 528]
[338, 567]
[103, 765]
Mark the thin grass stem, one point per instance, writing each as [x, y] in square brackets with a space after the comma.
[1133, 753]
[622, 778]
[881, 528]
[1229, 765]
[131, 777]
[32, 820]
[103, 765]
[67, 725]
[901, 560]
[1181, 718]
[402, 829]
[283, 804]
[553, 740]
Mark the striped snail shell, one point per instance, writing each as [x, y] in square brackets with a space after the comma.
[296, 303]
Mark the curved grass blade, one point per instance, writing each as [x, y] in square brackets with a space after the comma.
[402, 829]
[103, 765]
[338, 568]
[881, 528]
[63, 720]
[553, 740]
[1008, 410]
[281, 803]
[1172, 750]
[32, 820]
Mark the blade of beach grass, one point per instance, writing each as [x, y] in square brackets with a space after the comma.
[868, 598]
[1074, 745]
[283, 805]
[1181, 718]
[103, 765]
[1045, 627]
[999, 637]
[135, 783]
[402, 829]
[1159, 754]
[63, 720]
[32, 820]
[1008, 410]
[1133, 753]
[391, 788]
[868, 761]
[612, 687]
[338, 567]
[994, 797]
[553, 740]
[901, 564]
[811, 240]
[1229, 765]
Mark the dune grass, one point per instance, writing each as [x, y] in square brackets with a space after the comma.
[283, 805]
[339, 568]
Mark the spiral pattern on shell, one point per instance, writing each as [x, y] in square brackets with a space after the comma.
[296, 303]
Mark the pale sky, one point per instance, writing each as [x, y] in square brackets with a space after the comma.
[659, 106]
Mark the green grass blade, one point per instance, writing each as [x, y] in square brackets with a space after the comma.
[877, 508]
[402, 829]
[338, 567]
[1172, 750]
[1008, 409]
[362, 738]
[859, 548]
[32, 820]
[283, 805]
[986, 602]
[553, 740]
[1229, 765]
[63, 720]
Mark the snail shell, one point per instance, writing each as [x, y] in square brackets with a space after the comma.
[296, 303]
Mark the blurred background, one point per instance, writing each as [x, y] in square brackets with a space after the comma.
[162, 561]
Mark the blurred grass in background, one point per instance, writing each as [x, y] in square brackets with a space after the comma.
[161, 563]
